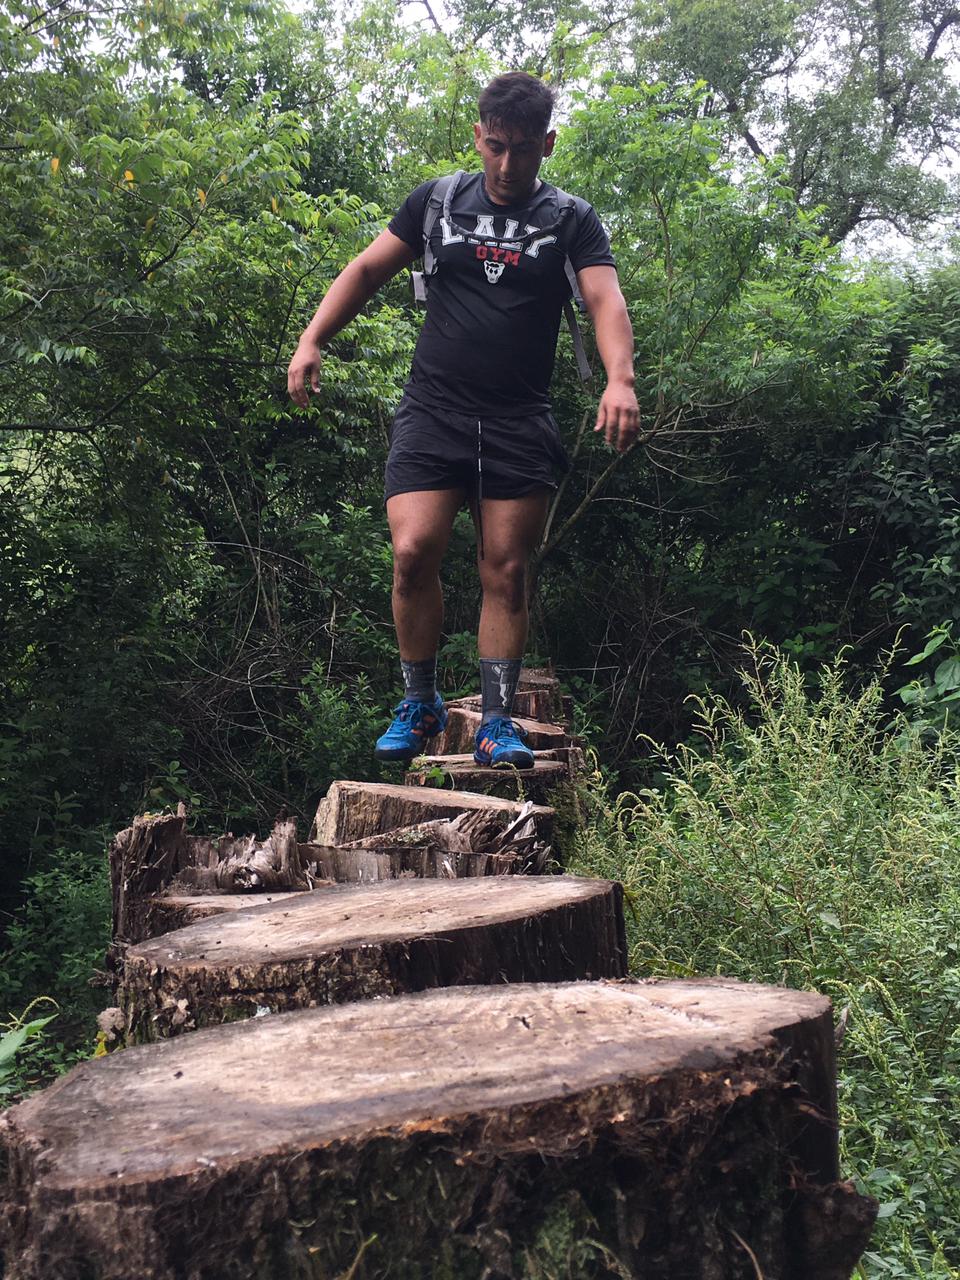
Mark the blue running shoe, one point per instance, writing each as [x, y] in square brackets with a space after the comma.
[499, 741]
[413, 723]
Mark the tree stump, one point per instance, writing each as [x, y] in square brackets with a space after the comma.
[353, 810]
[352, 943]
[461, 774]
[463, 723]
[532, 704]
[177, 910]
[381, 861]
[667, 1130]
[542, 680]
[156, 862]
[144, 859]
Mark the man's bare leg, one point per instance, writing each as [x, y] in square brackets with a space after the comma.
[511, 531]
[420, 525]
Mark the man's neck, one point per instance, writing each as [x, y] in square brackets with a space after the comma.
[518, 199]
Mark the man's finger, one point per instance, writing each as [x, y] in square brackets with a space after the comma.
[601, 418]
[613, 423]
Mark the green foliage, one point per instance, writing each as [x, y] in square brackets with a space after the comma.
[929, 697]
[851, 97]
[53, 947]
[58, 938]
[808, 842]
[334, 728]
[18, 1032]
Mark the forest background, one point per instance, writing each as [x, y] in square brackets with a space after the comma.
[195, 577]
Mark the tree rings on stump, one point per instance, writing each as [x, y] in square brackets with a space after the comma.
[352, 942]
[671, 1129]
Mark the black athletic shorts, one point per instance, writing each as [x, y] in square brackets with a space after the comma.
[487, 457]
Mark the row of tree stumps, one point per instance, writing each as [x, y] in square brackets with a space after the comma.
[406, 1048]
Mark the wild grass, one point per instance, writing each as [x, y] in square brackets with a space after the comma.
[806, 839]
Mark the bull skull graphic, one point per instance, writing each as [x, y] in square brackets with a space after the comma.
[494, 271]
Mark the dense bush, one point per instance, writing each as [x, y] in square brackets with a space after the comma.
[811, 841]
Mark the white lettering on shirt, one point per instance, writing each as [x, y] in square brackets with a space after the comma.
[449, 235]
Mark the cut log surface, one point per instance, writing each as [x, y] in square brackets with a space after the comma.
[353, 810]
[447, 1133]
[463, 723]
[354, 942]
[460, 773]
[177, 910]
[571, 757]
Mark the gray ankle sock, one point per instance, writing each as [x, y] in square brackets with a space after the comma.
[420, 680]
[499, 678]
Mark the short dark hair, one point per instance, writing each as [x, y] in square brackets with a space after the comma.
[519, 101]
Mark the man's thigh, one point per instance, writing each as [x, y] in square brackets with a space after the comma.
[420, 522]
[512, 527]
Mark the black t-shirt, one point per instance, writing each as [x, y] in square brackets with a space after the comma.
[494, 305]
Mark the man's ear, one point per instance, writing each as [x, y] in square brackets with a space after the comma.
[477, 135]
[548, 142]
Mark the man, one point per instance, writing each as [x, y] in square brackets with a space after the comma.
[474, 424]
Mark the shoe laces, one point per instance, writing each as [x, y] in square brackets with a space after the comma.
[413, 711]
[503, 728]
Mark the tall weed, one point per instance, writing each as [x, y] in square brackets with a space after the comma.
[809, 841]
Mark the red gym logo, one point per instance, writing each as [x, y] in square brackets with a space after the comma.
[494, 260]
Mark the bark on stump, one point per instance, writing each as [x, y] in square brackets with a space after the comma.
[536, 679]
[352, 943]
[353, 810]
[531, 704]
[688, 1128]
[156, 860]
[406, 860]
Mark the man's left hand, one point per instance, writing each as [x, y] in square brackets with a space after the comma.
[618, 416]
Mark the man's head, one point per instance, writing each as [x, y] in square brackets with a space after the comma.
[514, 134]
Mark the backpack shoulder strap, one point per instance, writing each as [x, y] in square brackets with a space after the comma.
[441, 200]
[566, 209]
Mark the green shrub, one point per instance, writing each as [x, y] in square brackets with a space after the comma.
[51, 949]
[808, 841]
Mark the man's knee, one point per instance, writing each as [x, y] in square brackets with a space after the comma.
[506, 581]
[416, 561]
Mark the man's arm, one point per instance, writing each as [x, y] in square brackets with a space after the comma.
[618, 415]
[353, 288]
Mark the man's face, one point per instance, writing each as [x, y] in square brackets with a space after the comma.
[511, 160]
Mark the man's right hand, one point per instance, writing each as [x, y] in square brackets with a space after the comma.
[304, 371]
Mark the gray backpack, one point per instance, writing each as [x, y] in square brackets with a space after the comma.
[441, 202]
